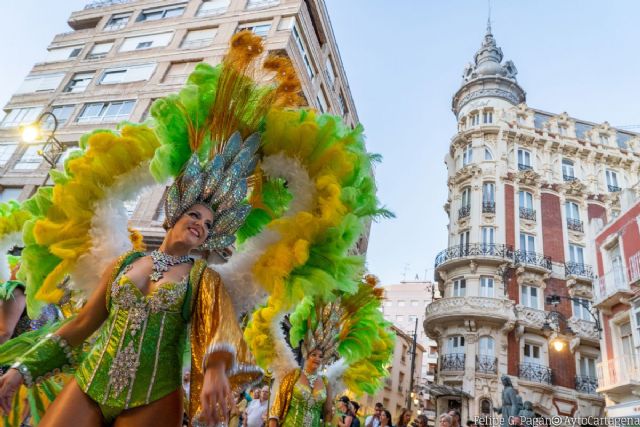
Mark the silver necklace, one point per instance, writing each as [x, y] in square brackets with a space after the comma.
[162, 262]
[311, 378]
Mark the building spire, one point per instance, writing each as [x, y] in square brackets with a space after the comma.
[489, 17]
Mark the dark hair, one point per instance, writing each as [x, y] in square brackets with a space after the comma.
[401, 417]
[345, 400]
[356, 406]
[423, 418]
[388, 414]
[456, 413]
[379, 405]
[470, 422]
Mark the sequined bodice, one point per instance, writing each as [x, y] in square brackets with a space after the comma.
[137, 356]
[305, 409]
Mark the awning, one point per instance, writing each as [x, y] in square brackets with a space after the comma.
[441, 390]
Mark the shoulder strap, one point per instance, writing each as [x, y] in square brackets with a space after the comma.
[197, 270]
[121, 263]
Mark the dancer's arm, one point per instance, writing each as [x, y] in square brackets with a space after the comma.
[10, 311]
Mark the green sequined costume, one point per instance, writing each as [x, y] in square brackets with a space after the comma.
[296, 404]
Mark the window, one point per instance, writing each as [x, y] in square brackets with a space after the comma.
[485, 407]
[79, 82]
[487, 154]
[487, 117]
[129, 74]
[158, 13]
[522, 120]
[488, 192]
[342, 105]
[459, 287]
[588, 367]
[399, 318]
[178, 72]
[63, 53]
[62, 113]
[331, 75]
[576, 254]
[303, 51]
[414, 303]
[486, 287]
[467, 155]
[146, 42]
[401, 303]
[8, 193]
[455, 344]
[213, 7]
[572, 210]
[19, 116]
[466, 197]
[255, 4]
[474, 119]
[41, 83]
[6, 152]
[30, 160]
[106, 111]
[612, 180]
[117, 21]
[524, 159]
[286, 23]
[527, 242]
[486, 346]
[626, 342]
[562, 129]
[604, 139]
[100, 50]
[532, 354]
[581, 308]
[488, 237]
[526, 200]
[529, 297]
[568, 172]
[464, 238]
[196, 39]
[322, 101]
[258, 28]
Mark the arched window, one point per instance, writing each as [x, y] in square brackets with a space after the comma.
[485, 407]
[488, 155]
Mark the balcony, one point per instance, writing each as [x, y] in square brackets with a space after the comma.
[475, 250]
[497, 310]
[618, 375]
[569, 178]
[464, 211]
[586, 384]
[613, 188]
[575, 225]
[612, 286]
[529, 214]
[535, 373]
[487, 364]
[488, 207]
[452, 362]
[96, 4]
[523, 167]
[531, 318]
[532, 259]
[576, 269]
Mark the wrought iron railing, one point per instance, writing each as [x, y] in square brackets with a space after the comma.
[613, 188]
[575, 225]
[526, 213]
[487, 364]
[452, 362]
[569, 178]
[535, 372]
[488, 207]
[464, 211]
[475, 249]
[576, 269]
[586, 384]
[532, 258]
[523, 167]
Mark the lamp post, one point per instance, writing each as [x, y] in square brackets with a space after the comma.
[52, 148]
[554, 300]
[413, 364]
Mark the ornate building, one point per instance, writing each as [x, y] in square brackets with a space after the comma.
[516, 279]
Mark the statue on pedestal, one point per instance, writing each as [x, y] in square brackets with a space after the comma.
[511, 402]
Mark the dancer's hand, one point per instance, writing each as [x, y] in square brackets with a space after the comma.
[9, 384]
[216, 398]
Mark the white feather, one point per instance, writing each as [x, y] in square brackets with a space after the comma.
[335, 373]
[6, 243]
[109, 229]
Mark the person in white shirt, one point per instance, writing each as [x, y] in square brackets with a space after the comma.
[374, 420]
[257, 410]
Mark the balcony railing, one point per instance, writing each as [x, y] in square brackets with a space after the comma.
[533, 258]
[611, 282]
[464, 211]
[487, 364]
[618, 372]
[488, 207]
[576, 269]
[475, 249]
[586, 384]
[613, 188]
[105, 3]
[523, 167]
[569, 178]
[452, 362]
[535, 372]
[526, 213]
[575, 225]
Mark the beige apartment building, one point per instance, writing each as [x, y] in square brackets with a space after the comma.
[121, 55]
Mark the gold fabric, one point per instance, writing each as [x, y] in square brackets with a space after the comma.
[216, 335]
[283, 398]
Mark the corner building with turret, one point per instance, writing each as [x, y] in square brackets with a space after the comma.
[525, 187]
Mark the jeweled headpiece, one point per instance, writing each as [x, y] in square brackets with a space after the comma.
[220, 185]
[324, 334]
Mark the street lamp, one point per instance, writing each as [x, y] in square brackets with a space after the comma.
[52, 148]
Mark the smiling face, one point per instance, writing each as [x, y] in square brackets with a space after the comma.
[314, 359]
[194, 225]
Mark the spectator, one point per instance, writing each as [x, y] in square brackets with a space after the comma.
[422, 421]
[404, 418]
[445, 420]
[515, 421]
[353, 409]
[471, 423]
[257, 409]
[237, 410]
[455, 418]
[344, 419]
[385, 418]
[374, 420]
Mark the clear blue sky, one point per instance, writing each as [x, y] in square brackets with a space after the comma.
[404, 60]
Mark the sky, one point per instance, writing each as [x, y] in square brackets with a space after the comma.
[404, 61]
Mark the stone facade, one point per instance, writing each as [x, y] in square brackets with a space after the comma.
[523, 186]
